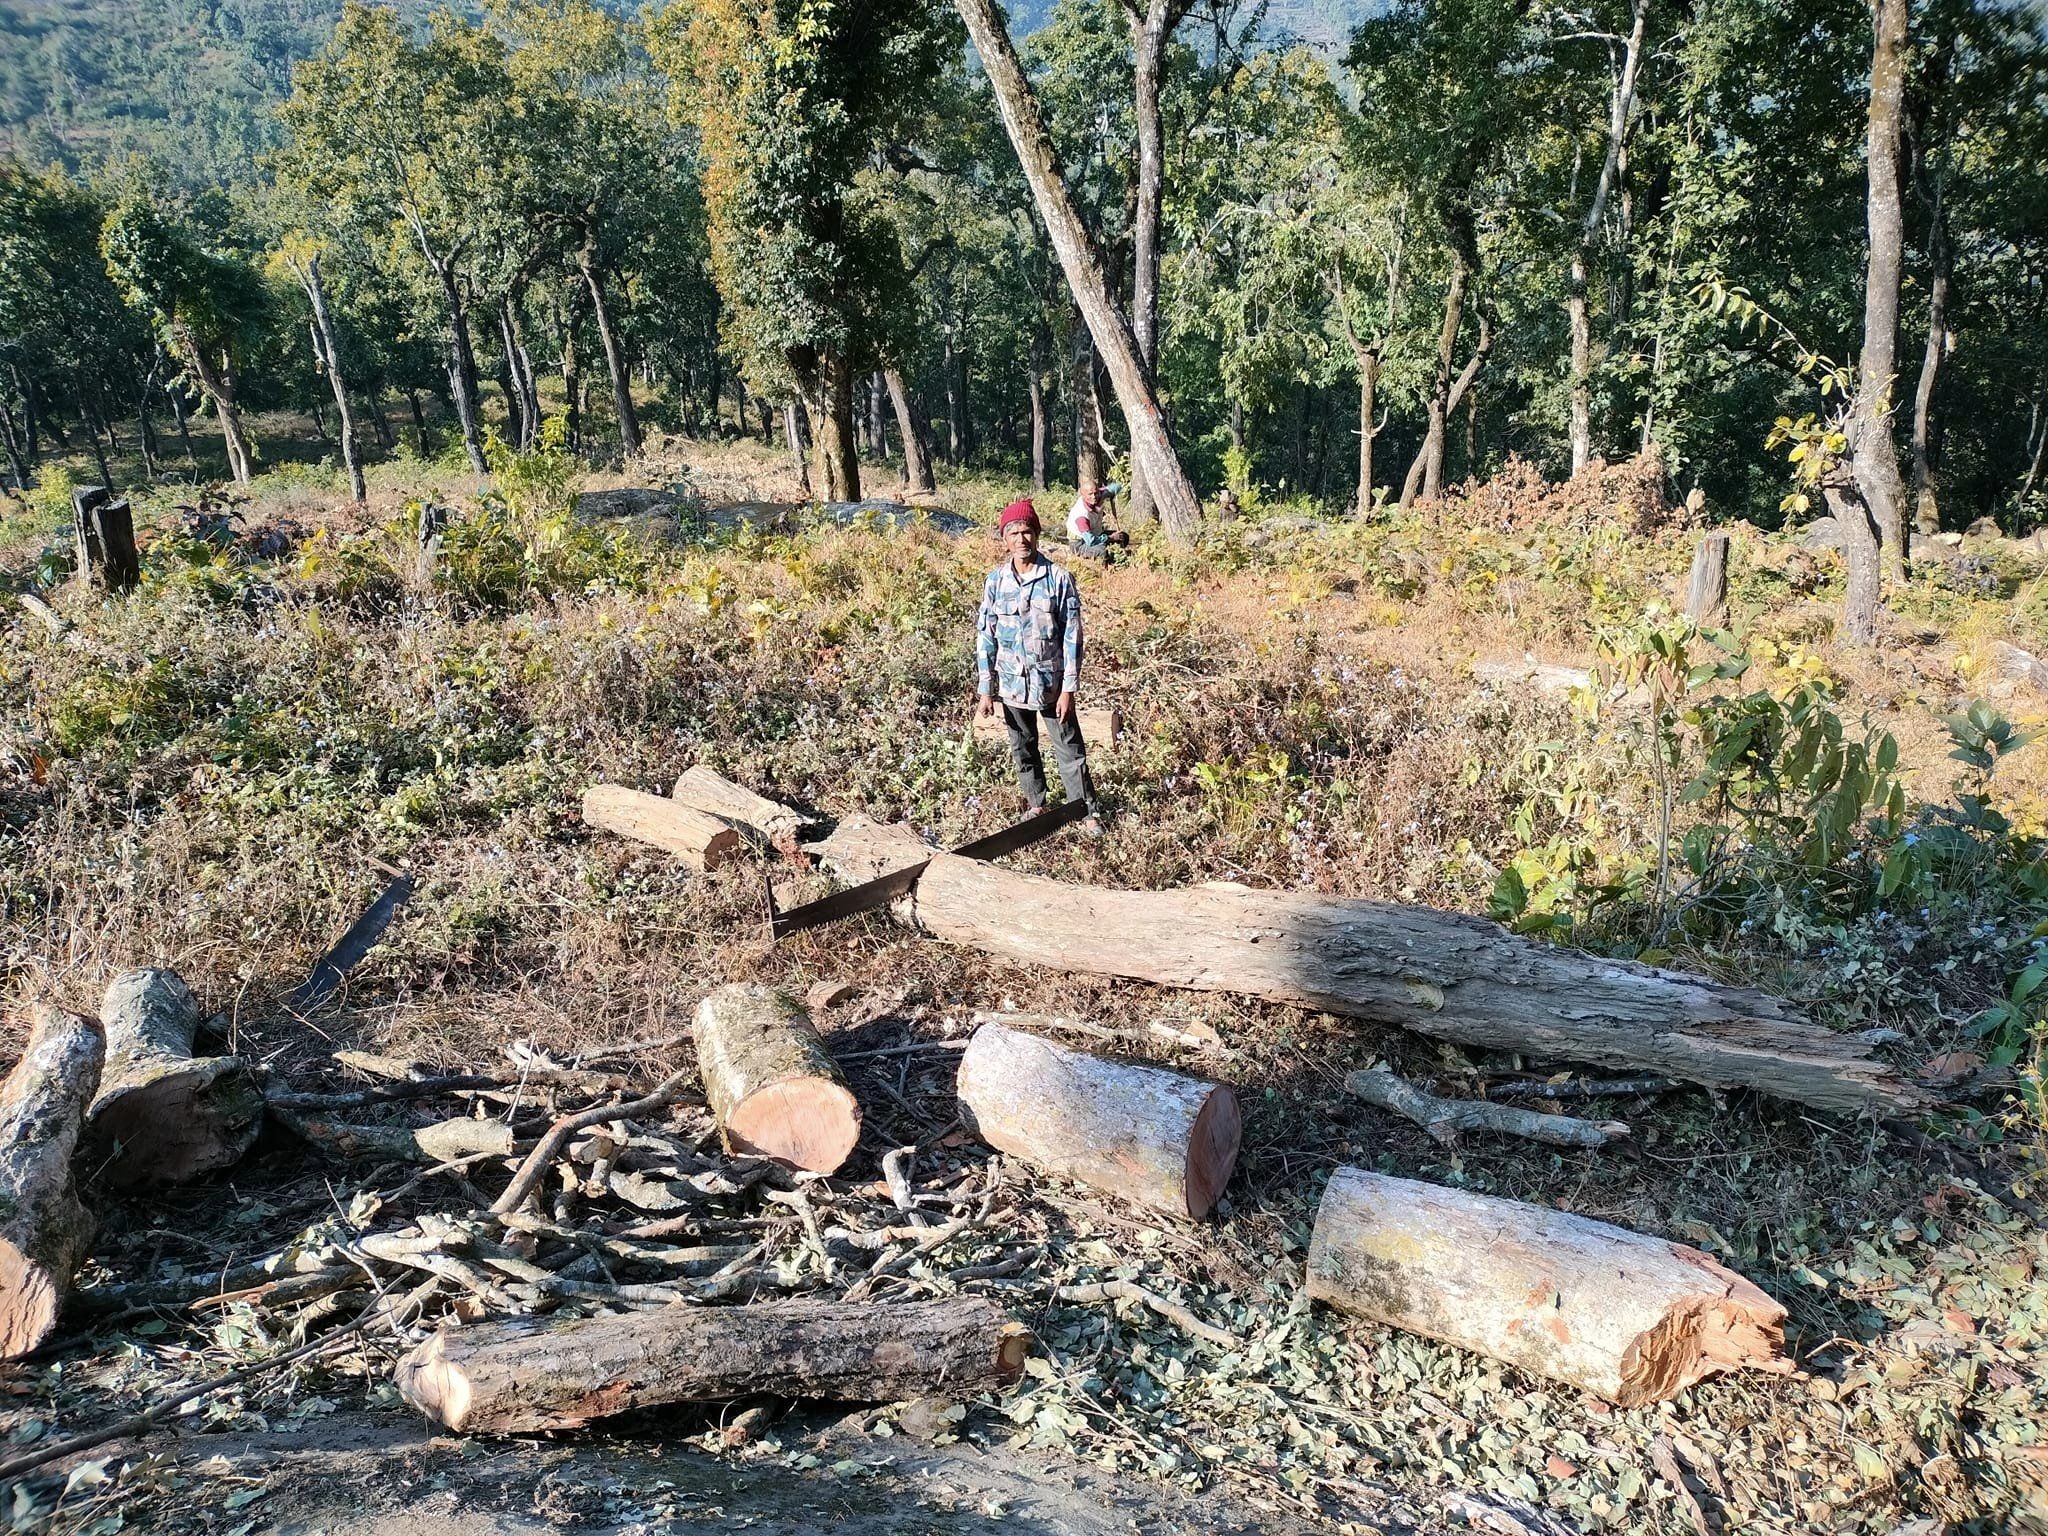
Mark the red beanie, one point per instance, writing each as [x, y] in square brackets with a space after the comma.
[1017, 512]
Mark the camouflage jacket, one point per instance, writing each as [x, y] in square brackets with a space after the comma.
[1028, 645]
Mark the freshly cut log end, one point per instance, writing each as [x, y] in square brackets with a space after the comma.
[45, 1231]
[532, 1374]
[1152, 1136]
[773, 1087]
[701, 841]
[163, 1115]
[1627, 1317]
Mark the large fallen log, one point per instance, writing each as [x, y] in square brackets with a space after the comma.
[860, 850]
[534, 1374]
[45, 1232]
[702, 790]
[772, 1086]
[1629, 1318]
[1152, 1136]
[1444, 974]
[700, 841]
[164, 1115]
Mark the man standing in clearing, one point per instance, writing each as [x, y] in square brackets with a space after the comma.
[1028, 654]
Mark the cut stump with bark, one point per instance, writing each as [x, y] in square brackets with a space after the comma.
[535, 1374]
[1444, 974]
[45, 1231]
[771, 1084]
[700, 841]
[164, 1115]
[702, 790]
[1631, 1319]
[1155, 1137]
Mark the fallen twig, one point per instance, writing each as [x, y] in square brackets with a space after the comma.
[1444, 1118]
[1583, 1088]
[538, 1160]
[1172, 1311]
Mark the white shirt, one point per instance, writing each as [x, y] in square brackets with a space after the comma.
[1080, 521]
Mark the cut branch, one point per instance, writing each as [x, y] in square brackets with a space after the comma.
[1445, 1118]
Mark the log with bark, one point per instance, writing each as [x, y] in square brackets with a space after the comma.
[45, 1231]
[772, 1086]
[164, 1115]
[1445, 974]
[1629, 1318]
[702, 790]
[860, 850]
[445, 1141]
[700, 841]
[1152, 1136]
[538, 1374]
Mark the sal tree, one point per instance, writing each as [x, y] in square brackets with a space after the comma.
[793, 101]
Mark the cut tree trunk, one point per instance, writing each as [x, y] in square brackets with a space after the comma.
[769, 1080]
[1445, 974]
[164, 1115]
[105, 530]
[1631, 1319]
[860, 850]
[701, 841]
[535, 1374]
[702, 790]
[1872, 453]
[45, 1232]
[1152, 1136]
[1706, 599]
[1152, 451]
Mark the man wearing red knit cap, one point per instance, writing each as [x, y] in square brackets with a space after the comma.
[1028, 657]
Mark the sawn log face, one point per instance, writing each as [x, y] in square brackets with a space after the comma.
[1440, 973]
[550, 1373]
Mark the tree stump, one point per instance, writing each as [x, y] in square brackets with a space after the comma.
[1629, 1318]
[772, 1086]
[45, 1232]
[700, 841]
[1152, 1136]
[537, 1373]
[1706, 601]
[106, 538]
[702, 790]
[164, 1115]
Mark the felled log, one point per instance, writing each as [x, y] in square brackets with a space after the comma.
[534, 1374]
[1544, 677]
[860, 850]
[1445, 1118]
[700, 841]
[1101, 726]
[164, 1115]
[772, 1086]
[702, 790]
[1444, 974]
[1629, 1318]
[445, 1141]
[1152, 1136]
[45, 1231]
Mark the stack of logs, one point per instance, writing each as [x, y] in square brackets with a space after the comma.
[597, 1193]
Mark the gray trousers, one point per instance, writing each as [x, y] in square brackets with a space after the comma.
[1068, 747]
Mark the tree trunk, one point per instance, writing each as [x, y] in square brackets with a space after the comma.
[1368, 414]
[1426, 473]
[162, 1114]
[99, 454]
[1873, 455]
[175, 393]
[773, 1088]
[1041, 428]
[829, 384]
[615, 360]
[533, 1374]
[1443, 974]
[462, 367]
[1926, 501]
[956, 412]
[17, 462]
[1620, 108]
[700, 841]
[1428, 467]
[45, 1232]
[1629, 1318]
[1091, 461]
[419, 420]
[1862, 552]
[878, 416]
[917, 454]
[1153, 1137]
[517, 427]
[714, 795]
[330, 357]
[1152, 23]
[1151, 448]
[793, 430]
[104, 526]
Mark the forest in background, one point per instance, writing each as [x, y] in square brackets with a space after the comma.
[1475, 230]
